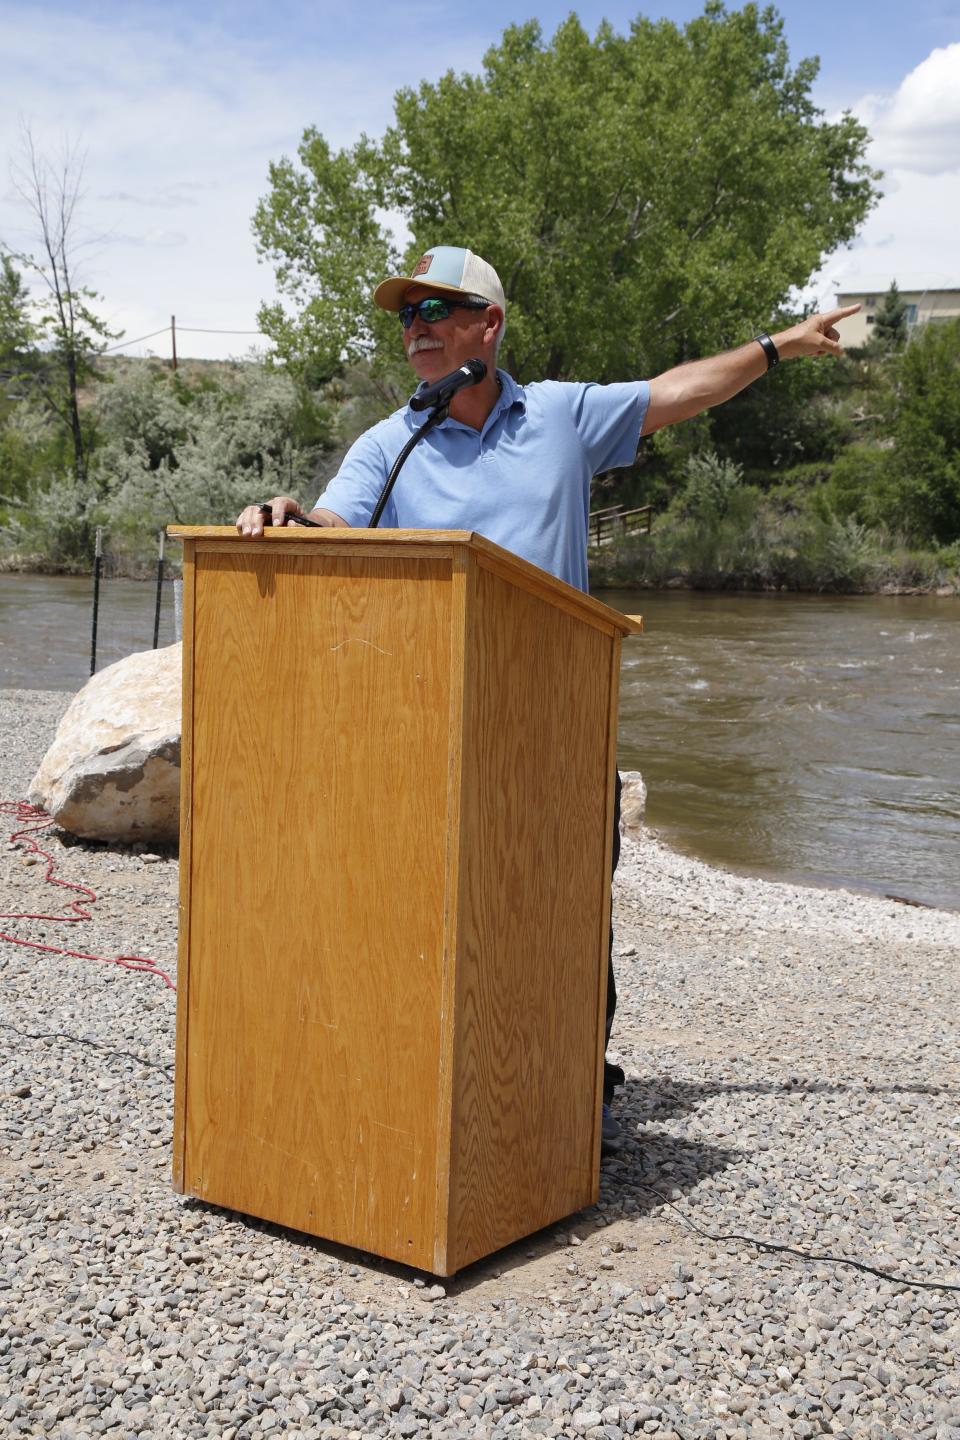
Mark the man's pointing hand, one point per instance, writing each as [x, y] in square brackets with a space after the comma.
[817, 335]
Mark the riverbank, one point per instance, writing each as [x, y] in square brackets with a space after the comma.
[614, 571]
[778, 542]
[792, 1070]
[143, 567]
[628, 571]
[614, 579]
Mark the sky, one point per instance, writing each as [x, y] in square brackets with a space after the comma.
[179, 108]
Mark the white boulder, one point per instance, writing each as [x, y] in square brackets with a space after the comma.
[113, 770]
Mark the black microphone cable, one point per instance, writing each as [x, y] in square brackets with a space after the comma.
[438, 395]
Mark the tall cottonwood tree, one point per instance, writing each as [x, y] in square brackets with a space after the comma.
[67, 334]
[647, 198]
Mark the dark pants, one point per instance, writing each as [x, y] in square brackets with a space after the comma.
[612, 1074]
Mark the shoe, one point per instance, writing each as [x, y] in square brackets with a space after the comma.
[611, 1133]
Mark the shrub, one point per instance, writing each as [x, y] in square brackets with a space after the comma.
[31, 450]
[925, 494]
[56, 529]
[860, 484]
[195, 454]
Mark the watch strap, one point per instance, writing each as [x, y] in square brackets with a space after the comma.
[769, 349]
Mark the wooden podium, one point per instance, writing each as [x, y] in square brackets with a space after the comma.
[398, 762]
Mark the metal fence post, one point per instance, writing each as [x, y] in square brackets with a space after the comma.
[156, 613]
[97, 563]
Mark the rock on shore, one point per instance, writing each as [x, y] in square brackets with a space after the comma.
[792, 1074]
[113, 769]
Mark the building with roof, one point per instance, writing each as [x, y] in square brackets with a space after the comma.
[925, 306]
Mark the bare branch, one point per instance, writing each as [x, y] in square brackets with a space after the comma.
[509, 289]
[52, 193]
[632, 232]
[168, 497]
[710, 214]
[667, 318]
[613, 203]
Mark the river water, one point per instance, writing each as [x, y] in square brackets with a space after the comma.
[803, 738]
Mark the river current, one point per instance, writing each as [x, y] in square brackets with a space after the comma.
[802, 738]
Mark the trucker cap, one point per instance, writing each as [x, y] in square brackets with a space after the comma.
[448, 269]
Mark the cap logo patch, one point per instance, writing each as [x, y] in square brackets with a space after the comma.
[422, 266]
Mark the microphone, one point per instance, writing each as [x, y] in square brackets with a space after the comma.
[441, 392]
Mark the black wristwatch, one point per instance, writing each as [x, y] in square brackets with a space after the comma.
[769, 349]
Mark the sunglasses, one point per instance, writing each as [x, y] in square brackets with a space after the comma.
[433, 308]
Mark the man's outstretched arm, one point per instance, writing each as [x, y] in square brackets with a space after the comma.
[250, 519]
[686, 390]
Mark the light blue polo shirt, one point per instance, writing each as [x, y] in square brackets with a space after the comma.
[522, 481]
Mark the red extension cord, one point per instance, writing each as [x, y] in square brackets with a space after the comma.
[31, 820]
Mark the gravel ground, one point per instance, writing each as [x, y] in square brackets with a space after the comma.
[792, 1073]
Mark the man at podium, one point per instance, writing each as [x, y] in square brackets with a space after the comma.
[514, 462]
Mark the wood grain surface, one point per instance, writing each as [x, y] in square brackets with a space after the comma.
[534, 881]
[319, 798]
[397, 803]
[459, 639]
[186, 842]
[401, 542]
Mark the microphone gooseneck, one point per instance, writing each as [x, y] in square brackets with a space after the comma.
[436, 398]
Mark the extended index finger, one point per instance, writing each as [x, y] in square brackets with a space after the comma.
[832, 316]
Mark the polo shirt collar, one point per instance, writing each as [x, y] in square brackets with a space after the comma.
[510, 394]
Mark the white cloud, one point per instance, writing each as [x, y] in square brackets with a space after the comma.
[918, 126]
[169, 199]
[158, 237]
[911, 236]
[178, 132]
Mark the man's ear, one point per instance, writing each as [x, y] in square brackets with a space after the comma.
[494, 324]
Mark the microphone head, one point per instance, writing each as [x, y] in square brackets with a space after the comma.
[442, 391]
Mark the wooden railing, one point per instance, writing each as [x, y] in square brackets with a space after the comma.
[609, 524]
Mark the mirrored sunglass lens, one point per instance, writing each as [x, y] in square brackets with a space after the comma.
[433, 309]
[430, 310]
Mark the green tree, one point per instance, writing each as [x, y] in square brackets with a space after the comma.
[647, 198]
[26, 443]
[908, 478]
[890, 321]
[926, 431]
[16, 329]
[860, 486]
[795, 415]
[67, 334]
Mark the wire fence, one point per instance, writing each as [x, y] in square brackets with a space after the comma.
[173, 329]
[126, 626]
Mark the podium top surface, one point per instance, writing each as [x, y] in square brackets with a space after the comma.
[344, 539]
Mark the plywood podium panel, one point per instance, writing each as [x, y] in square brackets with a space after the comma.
[533, 884]
[398, 760]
